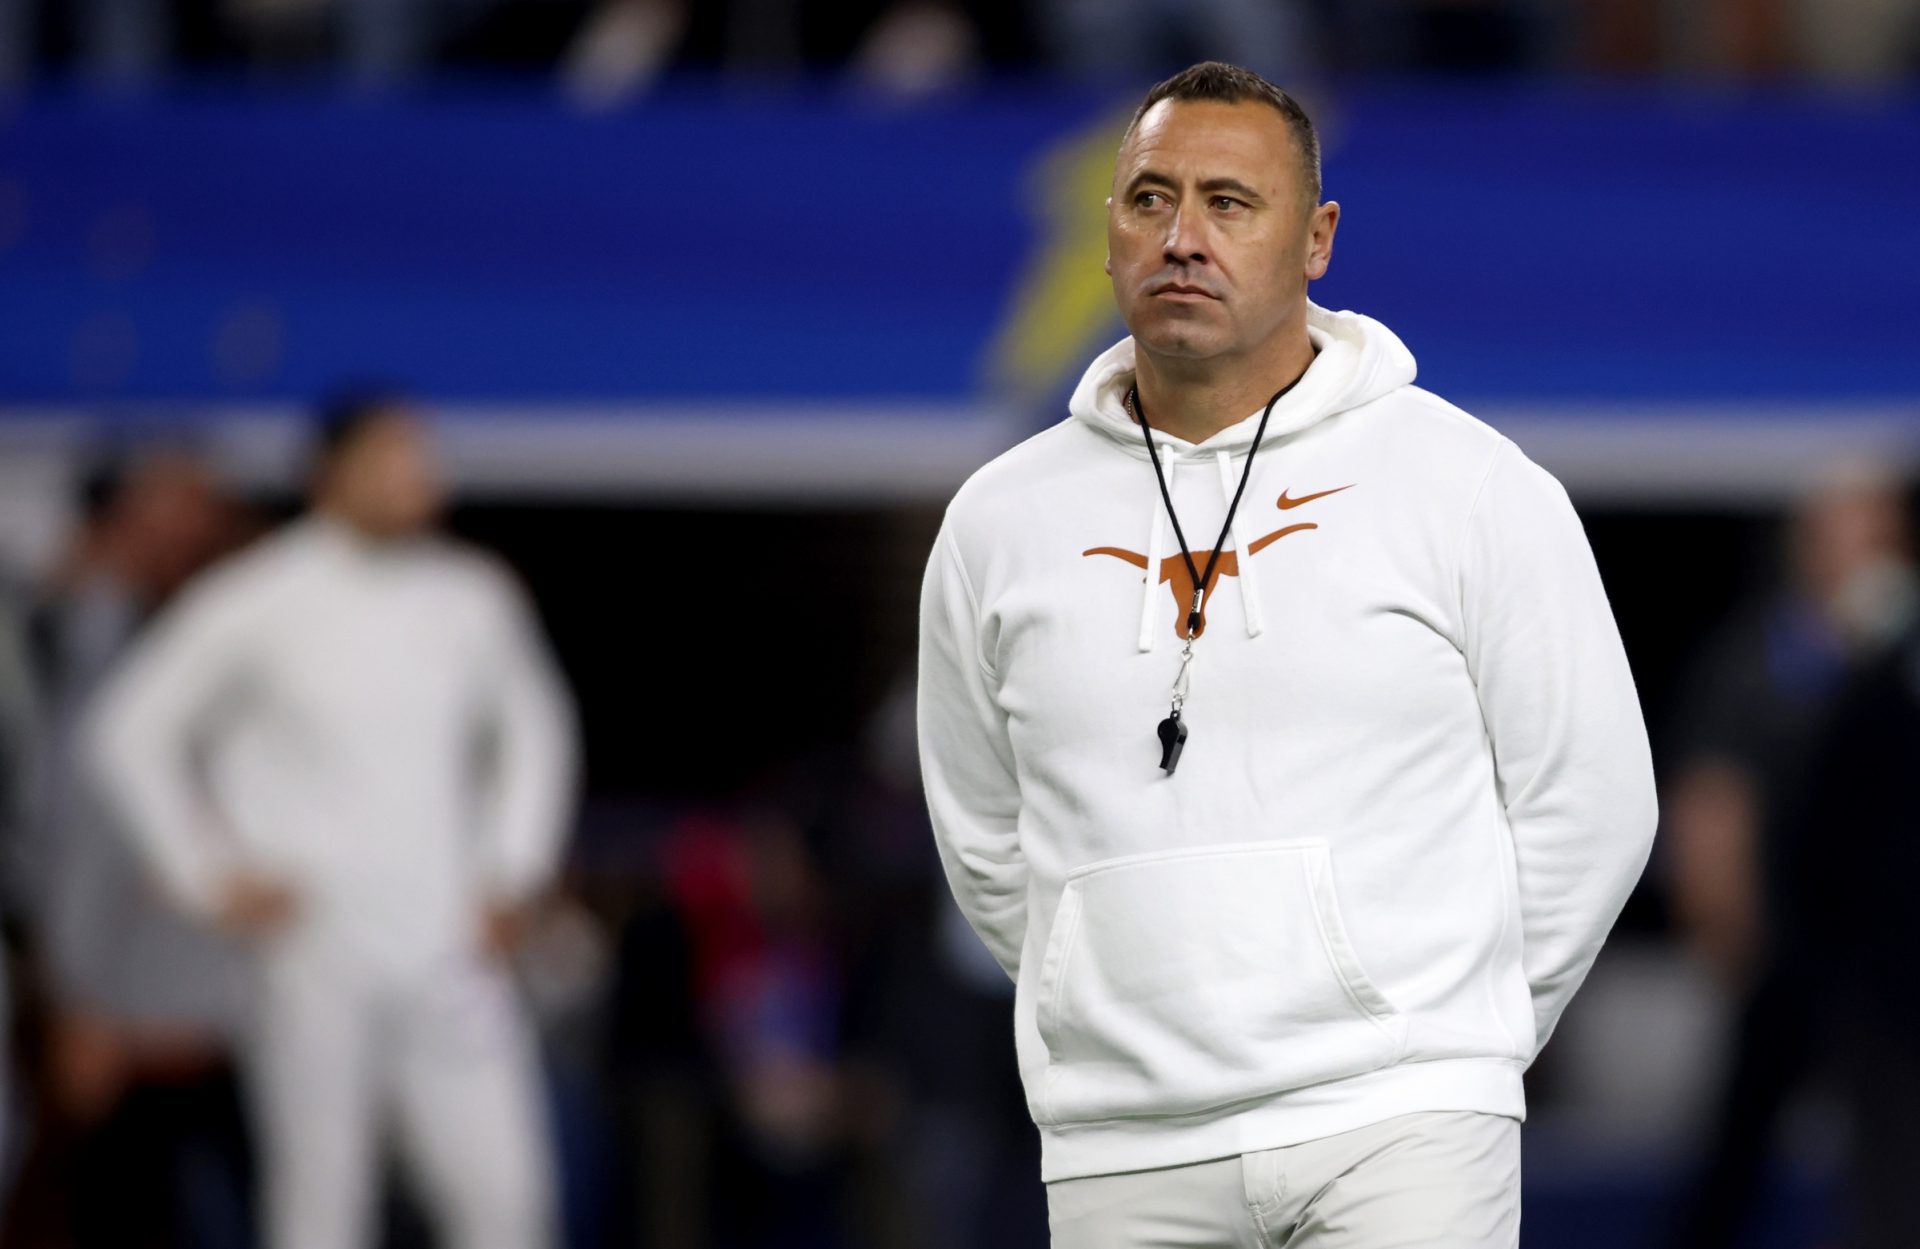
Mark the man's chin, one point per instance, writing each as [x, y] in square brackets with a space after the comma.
[1175, 342]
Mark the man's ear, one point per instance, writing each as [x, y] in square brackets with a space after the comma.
[1107, 264]
[1320, 228]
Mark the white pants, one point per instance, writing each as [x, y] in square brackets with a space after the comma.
[1435, 1179]
[341, 1063]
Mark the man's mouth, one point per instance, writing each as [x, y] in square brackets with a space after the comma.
[1180, 291]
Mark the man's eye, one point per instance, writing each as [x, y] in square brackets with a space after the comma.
[1225, 203]
[1146, 199]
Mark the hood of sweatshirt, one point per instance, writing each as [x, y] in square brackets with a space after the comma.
[1357, 360]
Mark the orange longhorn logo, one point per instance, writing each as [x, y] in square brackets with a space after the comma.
[1173, 569]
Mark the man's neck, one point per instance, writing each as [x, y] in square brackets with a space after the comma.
[1195, 402]
[342, 521]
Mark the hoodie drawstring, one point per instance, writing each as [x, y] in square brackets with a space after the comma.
[1151, 609]
[1156, 533]
[1249, 592]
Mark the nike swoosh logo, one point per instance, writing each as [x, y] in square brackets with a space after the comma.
[1286, 503]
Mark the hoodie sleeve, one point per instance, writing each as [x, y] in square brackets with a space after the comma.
[1573, 766]
[536, 750]
[142, 733]
[966, 762]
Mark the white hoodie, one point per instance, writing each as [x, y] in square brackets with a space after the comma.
[1416, 794]
[379, 725]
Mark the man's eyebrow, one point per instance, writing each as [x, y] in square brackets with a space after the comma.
[1153, 177]
[1236, 186]
[1146, 177]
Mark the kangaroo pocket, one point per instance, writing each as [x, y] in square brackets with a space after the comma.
[1180, 981]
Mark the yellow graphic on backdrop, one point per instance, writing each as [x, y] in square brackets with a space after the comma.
[1062, 309]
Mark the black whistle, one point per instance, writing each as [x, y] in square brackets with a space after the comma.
[1173, 739]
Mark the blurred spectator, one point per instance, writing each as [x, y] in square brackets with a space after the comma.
[1452, 36]
[621, 48]
[1476, 35]
[137, 42]
[766, 991]
[919, 47]
[18, 719]
[142, 1116]
[116, 42]
[607, 51]
[1856, 40]
[17, 751]
[967, 1148]
[376, 41]
[1748, 38]
[1739, 836]
[1837, 40]
[775, 1012]
[1862, 41]
[1863, 803]
[1141, 40]
[662, 1082]
[348, 747]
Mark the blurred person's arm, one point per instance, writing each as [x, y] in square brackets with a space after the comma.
[1713, 815]
[1849, 924]
[139, 740]
[966, 762]
[534, 762]
[79, 927]
[1573, 765]
[19, 754]
[1715, 803]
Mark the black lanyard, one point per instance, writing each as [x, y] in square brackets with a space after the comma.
[1172, 731]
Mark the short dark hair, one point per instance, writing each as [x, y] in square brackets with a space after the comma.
[114, 460]
[349, 412]
[1230, 84]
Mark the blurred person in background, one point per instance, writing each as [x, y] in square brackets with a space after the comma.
[919, 47]
[764, 987]
[19, 725]
[1458, 36]
[117, 43]
[349, 747]
[1133, 39]
[136, 43]
[1281, 986]
[1740, 834]
[1860, 41]
[1857, 41]
[621, 47]
[965, 1150]
[1860, 811]
[142, 1127]
[375, 41]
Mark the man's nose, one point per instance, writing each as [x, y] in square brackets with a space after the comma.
[1187, 237]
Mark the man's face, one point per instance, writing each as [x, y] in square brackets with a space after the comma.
[1854, 522]
[386, 480]
[170, 521]
[1211, 238]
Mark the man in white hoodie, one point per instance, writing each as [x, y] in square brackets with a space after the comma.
[349, 744]
[1297, 841]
